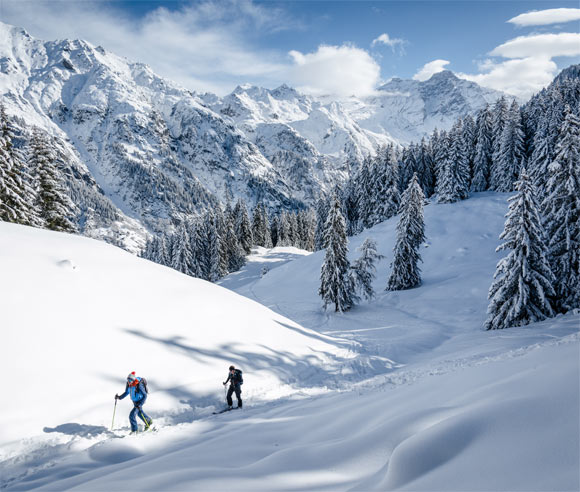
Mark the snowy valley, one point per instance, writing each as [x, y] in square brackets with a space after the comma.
[404, 392]
[396, 272]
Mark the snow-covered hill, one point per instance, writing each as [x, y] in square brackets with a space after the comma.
[79, 315]
[434, 402]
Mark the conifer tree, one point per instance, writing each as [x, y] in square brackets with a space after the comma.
[483, 151]
[181, 257]
[335, 281]
[510, 154]
[235, 254]
[322, 207]
[405, 272]
[55, 207]
[425, 170]
[260, 230]
[364, 269]
[243, 226]
[561, 211]
[499, 117]
[451, 186]
[16, 194]
[523, 279]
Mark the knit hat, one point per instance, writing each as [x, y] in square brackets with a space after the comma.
[131, 377]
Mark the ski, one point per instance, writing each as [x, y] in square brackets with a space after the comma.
[225, 410]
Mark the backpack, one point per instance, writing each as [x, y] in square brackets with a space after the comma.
[238, 376]
[144, 381]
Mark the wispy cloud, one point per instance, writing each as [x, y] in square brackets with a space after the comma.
[203, 46]
[396, 44]
[546, 17]
[540, 45]
[340, 70]
[430, 68]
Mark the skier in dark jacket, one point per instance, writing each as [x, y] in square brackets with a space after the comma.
[236, 381]
[136, 389]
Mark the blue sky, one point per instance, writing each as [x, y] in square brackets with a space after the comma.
[346, 47]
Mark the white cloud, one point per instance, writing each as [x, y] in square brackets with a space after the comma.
[519, 77]
[546, 17]
[394, 43]
[540, 45]
[429, 69]
[529, 66]
[339, 70]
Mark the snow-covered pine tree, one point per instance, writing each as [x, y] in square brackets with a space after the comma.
[310, 225]
[54, 205]
[210, 264]
[425, 170]
[483, 151]
[510, 154]
[322, 208]
[181, 256]
[499, 117]
[16, 194]
[460, 154]
[451, 186]
[220, 223]
[440, 151]
[351, 207]
[561, 213]
[364, 269]
[235, 254]
[274, 230]
[335, 281]
[541, 156]
[364, 191]
[523, 281]
[243, 226]
[260, 228]
[469, 140]
[266, 228]
[408, 166]
[284, 232]
[405, 273]
[293, 233]
[386, 186]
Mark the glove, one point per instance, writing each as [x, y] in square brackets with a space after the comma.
[116, 397]
[225, 383]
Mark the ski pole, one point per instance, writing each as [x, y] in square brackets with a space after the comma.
[144, 420]
[114, 410]
[225, 393]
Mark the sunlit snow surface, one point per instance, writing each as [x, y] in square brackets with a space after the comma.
[404, 393]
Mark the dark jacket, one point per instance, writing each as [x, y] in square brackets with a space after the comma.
[236, 378]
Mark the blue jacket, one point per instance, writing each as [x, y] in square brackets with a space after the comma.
[137, 392]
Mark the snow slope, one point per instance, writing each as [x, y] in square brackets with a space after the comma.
[432, 402]
[78, 315]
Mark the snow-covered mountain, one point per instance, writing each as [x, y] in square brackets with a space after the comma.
[407, 110]
[150, 152]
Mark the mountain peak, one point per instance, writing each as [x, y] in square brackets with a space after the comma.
[443, 75]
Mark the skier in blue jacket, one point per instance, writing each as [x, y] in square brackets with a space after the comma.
[138, 392]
